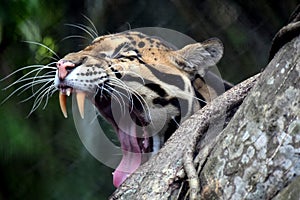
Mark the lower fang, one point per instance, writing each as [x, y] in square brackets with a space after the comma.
[80, 97]
[62, 103]
[68, 91]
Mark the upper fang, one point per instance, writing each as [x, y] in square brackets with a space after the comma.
[63, 104]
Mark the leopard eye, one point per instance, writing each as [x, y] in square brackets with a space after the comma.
[102, 55]
[81, 61]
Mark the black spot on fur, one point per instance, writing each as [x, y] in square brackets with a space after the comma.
[117, 50]
[150, 40]
[130, 49]
[157, 89]
[172, 125]
[101, 55]
[116, 72]
[160, 101]
[141, 44]
[149, 84]
[182, 105]
[167, 78]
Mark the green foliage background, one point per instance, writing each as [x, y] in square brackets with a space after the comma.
[41, 156]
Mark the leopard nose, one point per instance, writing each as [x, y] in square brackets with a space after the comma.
[64, 67]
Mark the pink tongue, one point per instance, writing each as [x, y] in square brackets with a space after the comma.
[132, 156]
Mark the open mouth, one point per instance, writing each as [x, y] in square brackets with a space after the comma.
[133, 145]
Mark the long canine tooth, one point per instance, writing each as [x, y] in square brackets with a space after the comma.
[68, 91]
[63, 104]
[80, 96]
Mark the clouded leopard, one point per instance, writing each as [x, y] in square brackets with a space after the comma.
[142, 86]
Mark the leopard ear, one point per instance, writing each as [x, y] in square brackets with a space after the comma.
[196, 58]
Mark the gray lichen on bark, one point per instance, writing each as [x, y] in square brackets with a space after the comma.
[259, 151]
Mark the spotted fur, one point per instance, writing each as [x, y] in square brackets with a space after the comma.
[151, 85]
[140, 84]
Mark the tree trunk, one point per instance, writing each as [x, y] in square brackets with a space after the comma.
[256, 155]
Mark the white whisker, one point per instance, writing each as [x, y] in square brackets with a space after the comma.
[122, 85]
[113, 95]
[129, 72]
[75, 36]
[173, 118]
[94, 27]
[40, 82]
[42, 45]
[129, 26]
[83, 29]
[48, 65]
[26, 86]
[51, 90]
[120, 51]
[27, 67]
[43, 93]
[95, 35]
[129, 97]
[120, 94]
[193, 96]
[39, 100]
[33, 84]
[22, 79]
[36, 92]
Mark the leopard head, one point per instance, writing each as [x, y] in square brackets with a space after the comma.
[139, 84]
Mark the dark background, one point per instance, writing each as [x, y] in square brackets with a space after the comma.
[41, 156]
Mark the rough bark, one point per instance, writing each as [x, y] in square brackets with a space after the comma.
[256, 155]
